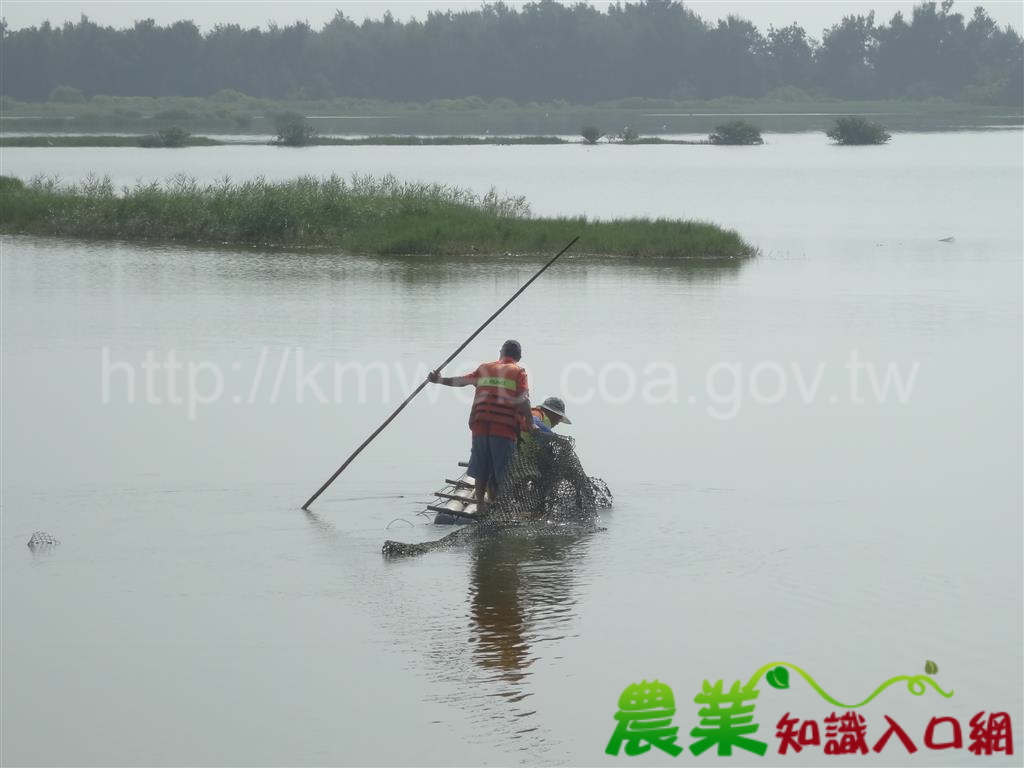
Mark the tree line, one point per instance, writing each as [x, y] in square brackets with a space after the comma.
[541, 52]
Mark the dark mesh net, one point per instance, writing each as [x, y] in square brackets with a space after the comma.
[546, 482]
[42, 540]
[545, 485]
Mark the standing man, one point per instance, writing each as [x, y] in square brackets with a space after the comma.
[502, 400]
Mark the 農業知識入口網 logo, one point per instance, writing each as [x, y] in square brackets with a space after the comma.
[646, 710]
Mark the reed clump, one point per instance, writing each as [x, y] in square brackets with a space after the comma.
[736, 133]
[857, 131]
[365, 214]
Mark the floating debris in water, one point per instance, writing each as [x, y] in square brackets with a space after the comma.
[42, 540]
[948, 240]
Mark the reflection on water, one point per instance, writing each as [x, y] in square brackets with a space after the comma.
[520, 603]
[438, 270]
[516, 586]
[147, 268]
[521, 597]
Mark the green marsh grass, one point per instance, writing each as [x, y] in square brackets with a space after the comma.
[366, 214]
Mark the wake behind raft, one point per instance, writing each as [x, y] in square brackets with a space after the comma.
[545, 490]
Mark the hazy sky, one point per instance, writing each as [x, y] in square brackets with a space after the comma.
[813, 15]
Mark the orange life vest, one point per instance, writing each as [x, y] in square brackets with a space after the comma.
[540, 413]
[536, 413]
[496, 401]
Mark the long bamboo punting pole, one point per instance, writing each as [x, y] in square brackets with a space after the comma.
[423, 384]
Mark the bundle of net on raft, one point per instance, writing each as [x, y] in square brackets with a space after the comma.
[544, 485]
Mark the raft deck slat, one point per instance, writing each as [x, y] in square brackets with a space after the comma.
[456, 499]
[453, 512]
[453, 497]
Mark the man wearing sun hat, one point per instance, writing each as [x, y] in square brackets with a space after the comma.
[544, 419]
[550, 414]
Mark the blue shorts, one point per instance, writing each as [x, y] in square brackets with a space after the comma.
[490, 458]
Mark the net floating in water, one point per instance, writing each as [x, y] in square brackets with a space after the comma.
[42, 540]
[544, 487]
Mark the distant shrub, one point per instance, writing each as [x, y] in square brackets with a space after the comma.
[174, 136]
[856, 131]
[737, 132]
[293, 130]
[591, 134]
[628, 135]
[65, 94]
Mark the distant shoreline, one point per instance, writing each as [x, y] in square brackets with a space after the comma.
[105, 115]
[138, 140]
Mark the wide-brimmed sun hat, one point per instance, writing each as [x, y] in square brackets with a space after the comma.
[556, 405]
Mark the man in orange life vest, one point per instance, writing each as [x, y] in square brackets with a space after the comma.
[546, 417]
[502, 401]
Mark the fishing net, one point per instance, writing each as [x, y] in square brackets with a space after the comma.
[546, 482]
[42, 540]
[545, 485]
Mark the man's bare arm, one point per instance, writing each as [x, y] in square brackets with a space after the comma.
[523, 408]
[454, 381]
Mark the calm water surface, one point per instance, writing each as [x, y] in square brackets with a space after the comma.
[193, 615]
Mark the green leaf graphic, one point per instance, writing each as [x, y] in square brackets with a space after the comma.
[931, 667]
[778, 678]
